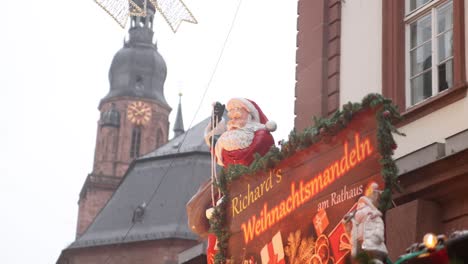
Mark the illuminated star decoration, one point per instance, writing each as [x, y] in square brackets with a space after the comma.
[174, 12]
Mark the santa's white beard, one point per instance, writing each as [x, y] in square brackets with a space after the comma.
[235, 139]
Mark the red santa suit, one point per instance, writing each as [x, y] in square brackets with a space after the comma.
[260, 143]
[239, 145]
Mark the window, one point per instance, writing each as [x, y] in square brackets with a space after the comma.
[415, 4]
[429, 49]
[446, 73]
[159, 138]
[136, 140]
[139, 83]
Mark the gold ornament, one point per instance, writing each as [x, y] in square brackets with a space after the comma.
[300, 250]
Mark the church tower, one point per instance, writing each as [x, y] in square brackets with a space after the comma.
[134, 117]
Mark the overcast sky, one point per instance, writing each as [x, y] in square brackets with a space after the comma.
[54, 62]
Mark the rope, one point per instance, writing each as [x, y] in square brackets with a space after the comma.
[214, 174]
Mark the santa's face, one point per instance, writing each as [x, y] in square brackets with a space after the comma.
[238, 117]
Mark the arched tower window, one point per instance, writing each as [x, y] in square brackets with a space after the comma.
[139, 82]
[159, 138]
[136, 140]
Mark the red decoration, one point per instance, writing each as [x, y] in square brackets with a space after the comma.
[211, 249]
[273, 252]
[320, 222]
[386, 113]
[340, 243]
[261, 144]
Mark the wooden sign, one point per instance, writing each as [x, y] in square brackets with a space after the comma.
[293, 213]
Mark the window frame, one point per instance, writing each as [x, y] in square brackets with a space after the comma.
[394, 55]
[430, 8]
[421, 9]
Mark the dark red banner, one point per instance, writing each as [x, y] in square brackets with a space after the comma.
[293, 214]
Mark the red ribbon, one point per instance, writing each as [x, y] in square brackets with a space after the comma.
[211, 249]
[272, 257]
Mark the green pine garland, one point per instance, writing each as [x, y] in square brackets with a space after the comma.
[323, 130]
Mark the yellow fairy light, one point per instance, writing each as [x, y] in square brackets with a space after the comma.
[430, 241]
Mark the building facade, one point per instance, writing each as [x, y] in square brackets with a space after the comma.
[414, 53]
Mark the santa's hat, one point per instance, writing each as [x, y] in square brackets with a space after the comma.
[254, 110]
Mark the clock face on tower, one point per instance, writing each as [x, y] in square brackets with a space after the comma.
[138, 112]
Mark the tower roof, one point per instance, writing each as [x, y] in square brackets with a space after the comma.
[179, 122]
[137, 69]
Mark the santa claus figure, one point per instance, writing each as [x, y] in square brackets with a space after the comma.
[246, 132]
[368, 229]
[236, 141]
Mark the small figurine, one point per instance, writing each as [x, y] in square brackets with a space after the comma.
[367, 233]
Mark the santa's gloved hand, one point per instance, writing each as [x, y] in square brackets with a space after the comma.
[218, 111]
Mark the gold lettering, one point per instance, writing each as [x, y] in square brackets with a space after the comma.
[282, 209]
[245, 202]
[257, 193]
[258, 228]
[279, 176]
[235, 210]
[250, 194]
[269, 183]
[306, 191]
[326, 176]
[335, 170]
[356, 142]
[366, 148]
[248, 229]
[316, 184]
[344, 161]
[352, 158]
[301, 190]
[289, 202]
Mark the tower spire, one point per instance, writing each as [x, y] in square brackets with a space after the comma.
[179, 123]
